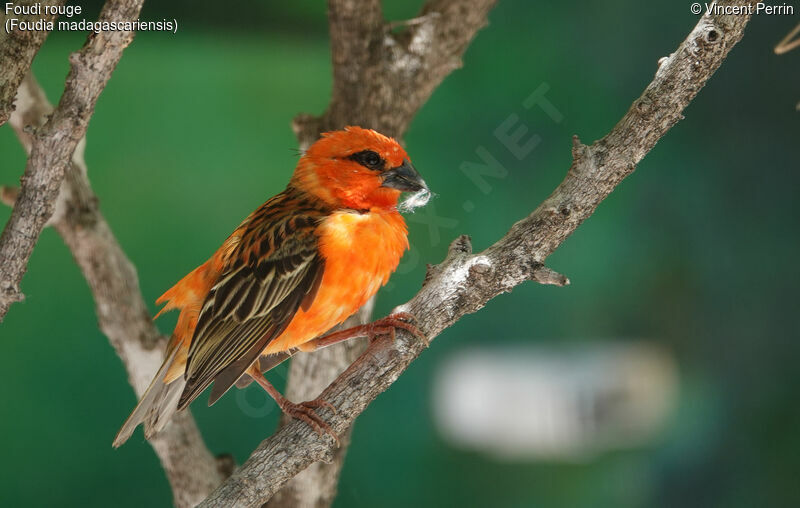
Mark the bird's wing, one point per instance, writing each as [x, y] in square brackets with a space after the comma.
[274, 270]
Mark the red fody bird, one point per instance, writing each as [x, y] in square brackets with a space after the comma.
[296, 267]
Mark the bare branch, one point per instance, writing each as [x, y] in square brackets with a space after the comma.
[464, 282]
[381, 78]
[191, 469]
[53, 145]
[355, 29]
[790, 42]
[17, 50]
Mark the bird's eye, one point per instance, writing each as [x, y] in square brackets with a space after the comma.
[368, 159]
[372, 159]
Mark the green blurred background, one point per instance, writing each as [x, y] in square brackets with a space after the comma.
[696, 251]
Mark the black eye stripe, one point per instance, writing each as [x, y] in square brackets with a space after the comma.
[368, 159]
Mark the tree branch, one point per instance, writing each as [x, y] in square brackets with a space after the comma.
[380, 80]
[122, 314]
[464, 281]
[54, 143]
[380, 77]
[17, 50]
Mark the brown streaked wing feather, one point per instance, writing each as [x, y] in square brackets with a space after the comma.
[276, 268]
[230, 374]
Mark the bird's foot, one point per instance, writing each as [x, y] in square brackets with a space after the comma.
[305, 411]
[388, 325]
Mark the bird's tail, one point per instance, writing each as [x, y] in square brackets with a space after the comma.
[157, 405]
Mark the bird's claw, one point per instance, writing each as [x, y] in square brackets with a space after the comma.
[305, 411]
[388, 325]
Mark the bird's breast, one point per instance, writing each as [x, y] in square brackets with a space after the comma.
[361, 250]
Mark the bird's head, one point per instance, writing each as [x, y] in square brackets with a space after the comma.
[357, 168]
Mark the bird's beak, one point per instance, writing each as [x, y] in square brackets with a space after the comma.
[404, 178]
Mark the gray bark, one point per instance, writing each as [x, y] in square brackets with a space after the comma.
[55, 191]
[17, 50]
[54, 143]
[122, 314]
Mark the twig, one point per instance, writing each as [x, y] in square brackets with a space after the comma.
[788, 43]
[54, 143]
[464, 282]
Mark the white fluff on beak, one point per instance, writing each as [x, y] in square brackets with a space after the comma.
[415, 200]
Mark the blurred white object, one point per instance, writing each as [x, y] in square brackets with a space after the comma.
[537, 403]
